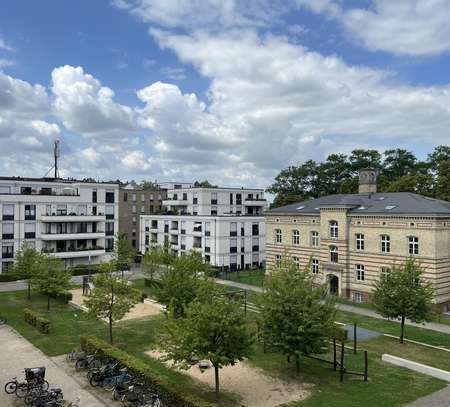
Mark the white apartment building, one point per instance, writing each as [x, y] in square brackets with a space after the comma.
[215, 201]
[74, 220]
[225, 225]
[229, 242]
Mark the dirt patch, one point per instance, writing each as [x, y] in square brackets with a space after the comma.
[252, 385]
[140, 310]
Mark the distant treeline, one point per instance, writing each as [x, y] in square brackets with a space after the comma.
[399, 171]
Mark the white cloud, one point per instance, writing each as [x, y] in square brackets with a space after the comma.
[4, 63]
[136, 161]
[86, 107]
[403, 27]
[213, 14]
[4, 45]
[176, 74]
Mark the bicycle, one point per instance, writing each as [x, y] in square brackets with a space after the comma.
[74, 355]
[109, 383]
[87, 361]
[16, 387]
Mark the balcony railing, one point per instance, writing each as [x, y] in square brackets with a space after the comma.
[7, 255]
[71, 249]
[8, 236]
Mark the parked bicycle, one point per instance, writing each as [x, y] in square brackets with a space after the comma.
[110, 383]
[20, 389]
[34, 378]
[74, 355]
[87, 361]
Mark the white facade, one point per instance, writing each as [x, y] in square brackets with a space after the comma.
[216, 201]
[75, 221]
[232, 242]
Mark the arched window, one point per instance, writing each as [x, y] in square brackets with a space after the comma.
[334, 232]
[334, 255]
[295, 237]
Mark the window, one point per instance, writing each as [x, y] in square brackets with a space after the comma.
[233, 229]
[359, 272]
[133, 219]
[385, 244]
[8, 212]
[151, 197]
[413, 245]
[142, 209]
[142, 197]
[183, 228]
[5, 190]
[385, 272]
[214, 198]
[7, 251]
[125, 196]
[255, 229]
[109, 228]
[296, 261]
[133, 208]
[109, 211]
[278, 260]
[315, 266]
[207, 228]
[61, 210]
[6, 266]
[357, 297]
[109, 245]
[82, 210]
[30, 212]
[8, 231]
[314, 238]
[238, 199]
[133, 197]
[233, 245]
[334, 233]
[30, 230]
[109, 197]
[334, 255]
[295, 237]
[255, 244]
[278, 236]
[94, 196]
[213, 210]
[359, 241]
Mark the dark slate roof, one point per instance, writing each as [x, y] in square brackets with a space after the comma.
[389, 203]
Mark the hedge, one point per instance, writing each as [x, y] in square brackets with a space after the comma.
[171, 396]
[6, 278]
[40, 323]
[64, 297]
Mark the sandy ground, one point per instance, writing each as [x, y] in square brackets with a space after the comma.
[254, 388]
[140, 310]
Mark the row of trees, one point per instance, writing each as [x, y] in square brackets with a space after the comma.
[399, 171]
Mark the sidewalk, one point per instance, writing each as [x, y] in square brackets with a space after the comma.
[440, 398]
[433, 326]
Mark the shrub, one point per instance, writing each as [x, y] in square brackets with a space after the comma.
[64, 297]
[40, 323]
[340, 334]
[6, 278]
[171, 396]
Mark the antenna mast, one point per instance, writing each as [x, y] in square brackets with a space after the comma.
[56, 155]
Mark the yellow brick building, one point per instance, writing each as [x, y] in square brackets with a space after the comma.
[352, 239]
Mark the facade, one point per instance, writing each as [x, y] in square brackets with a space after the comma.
[352, 240]
[134, 202]
[74, 220]
[216, 201]
[225, 225]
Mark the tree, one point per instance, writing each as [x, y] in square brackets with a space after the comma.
[155, 259]
[123, 253]
[50, 278]
[179, 282]
[439, 154]
[111, 297]
[361, 159]
[398, 163]
[442, 188]
[204, 184]
[214, 328]
[148, 185]
[297, 316]
[418, 183]
[404, 294]
[26, 265]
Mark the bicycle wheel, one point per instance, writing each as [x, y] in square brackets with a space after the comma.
[95, 380]
[80, 364]
[10, 387]
[109, 384]
[22, 390]
[45, 385]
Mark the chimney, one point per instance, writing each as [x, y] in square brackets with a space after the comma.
[367, 181]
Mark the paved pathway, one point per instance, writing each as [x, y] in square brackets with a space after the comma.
[439, 399]
[434, 326]
[17, 353]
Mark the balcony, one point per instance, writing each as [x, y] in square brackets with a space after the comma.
[255, 202]
[8, 236]
[175, 202]
[72, 236]
[72, 217]
[197, 228]
[79, 252]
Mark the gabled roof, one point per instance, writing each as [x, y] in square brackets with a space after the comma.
[389, 203]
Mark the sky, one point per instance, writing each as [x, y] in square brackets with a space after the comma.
[231, 91]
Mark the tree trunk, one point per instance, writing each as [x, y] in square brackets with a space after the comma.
[48, 302]
[216, 375]
[110, 330]
[402, 329]
[297, 364]
[29, 289]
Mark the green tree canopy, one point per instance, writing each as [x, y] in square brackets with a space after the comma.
[214, 328]
[297, 317]
[123, 253]
[111, 298]
[50, 277]
[179, 282]
[26, 264]
[155, 260]
[204, 184]
[403, 293]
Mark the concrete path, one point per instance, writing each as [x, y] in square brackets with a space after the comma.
[16, 353]
[439, 399]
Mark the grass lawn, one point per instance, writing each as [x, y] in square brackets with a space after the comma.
[252, 277]
[386, 386]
